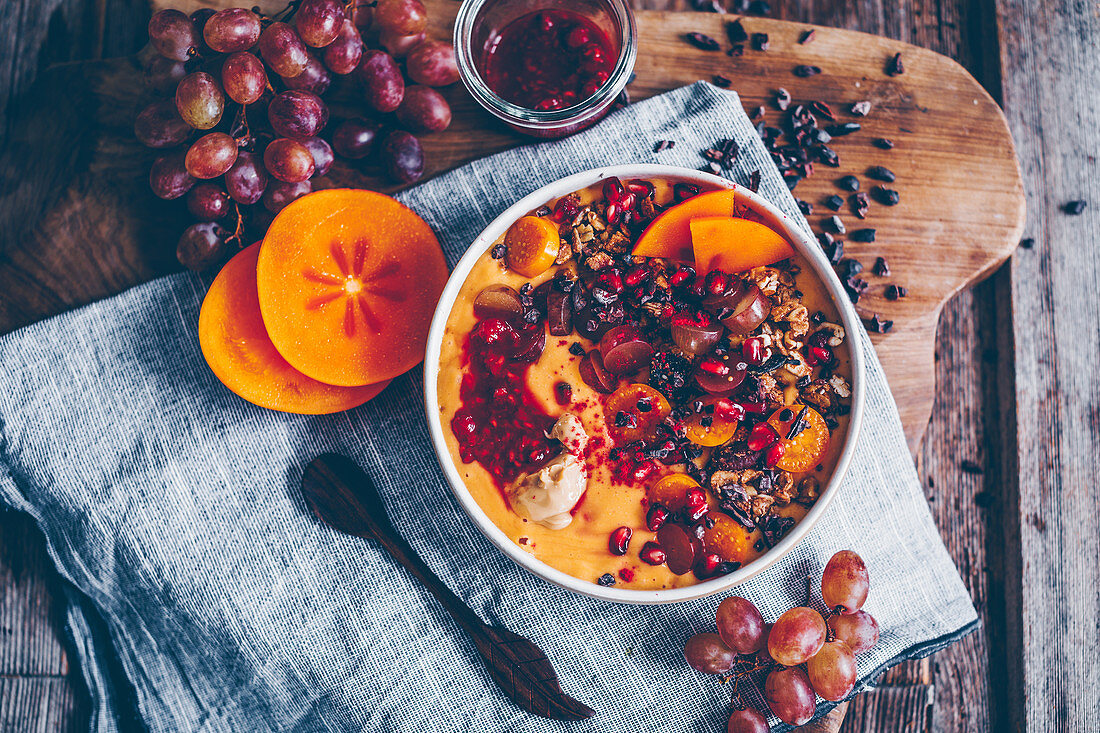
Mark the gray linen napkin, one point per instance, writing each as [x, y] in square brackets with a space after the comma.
[173, 508]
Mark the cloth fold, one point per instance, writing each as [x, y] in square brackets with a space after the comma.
[173, 508]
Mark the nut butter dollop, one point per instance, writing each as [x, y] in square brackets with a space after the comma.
[546, 495]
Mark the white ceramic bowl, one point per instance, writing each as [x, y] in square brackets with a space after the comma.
[805, 246]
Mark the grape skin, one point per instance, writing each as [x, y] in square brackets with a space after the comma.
[297, 114]
[318, 21]
[201, 245]
[747, 720]
[211, 155]
[790, 695]
[200, 101]
[403, 17]
[168, 176]
[279, 194]
[707, 654]
[207, 202]
[424, 109]
[845, 582]
[402, 157]
[246, 180]
[159, 126]
[231, 30]
[383, 85]
[343, 54]
[314, 78]
[288, 160]
[282, 50]
[832, 671]
[858, 630]
[433, 63]
[163, 74]
[796, 636]
[243, 77]
[323, 157]
[399, 46]
[172, 34]
[740, 625]
[355, 138]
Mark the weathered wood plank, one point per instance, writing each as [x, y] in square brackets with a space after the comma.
[1050, 63]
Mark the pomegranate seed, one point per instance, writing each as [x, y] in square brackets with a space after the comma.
[655, 517]
[682, 276]
[717, 283]
[762, 436]
[565, 209]
[756, 407]
[639, 187]
[613, 213]
[652, 554]
[753, 350]
[714, 366]
[822, 354]
[775, 453]
[591, 87]
[642, 472]
[619, 541]
[611, 282]
[635, 275]
[563, 391]
[628, 201]
[613, 190]
[695, 504]
[707, 566]
[729, 410]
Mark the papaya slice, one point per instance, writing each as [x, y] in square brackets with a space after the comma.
[735, 245]
[348, 281]
[669, 235]
[236, 346]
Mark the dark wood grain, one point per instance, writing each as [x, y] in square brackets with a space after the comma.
[343, 496]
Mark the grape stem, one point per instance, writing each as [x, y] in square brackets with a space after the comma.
[238, 232]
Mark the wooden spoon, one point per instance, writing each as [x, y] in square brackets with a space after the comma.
[343, 496]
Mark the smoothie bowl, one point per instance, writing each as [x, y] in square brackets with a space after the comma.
[640, 383]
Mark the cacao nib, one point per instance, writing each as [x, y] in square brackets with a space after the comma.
[1073, 208]
[760, 41]
[498, 252]
[805, 207]
[849, 268]
[702, 41]
[894, 67]
[607, 579]
[663, 145]
[774, 527]
[877, 325]
[782, 99]
[896, 292]
[834, 202]
[884, 143]
[805, 70]
[846, 128]
[808, 36]
[721, 81]
[736, 32]
[738, 49]
[822, 109]
[1027, 242]
[879, 173]
[886, 196]
[862, 235]
[835, 225]
[881, 268]
[754, 181]
[860, 205]
[848, 183]
[576, 349]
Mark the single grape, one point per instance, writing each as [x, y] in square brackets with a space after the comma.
[402, 157]
[433, 63]
[832, 671]
[211, 155]
[297, 114]
[172, 34]
[207, 202]
[424, 109]
[706, 653]
[314, 78]
[280, 193]
[198, 21]
[318, 21]
[858, 630]
[383, 85]
[160, 126]
[288, 160]
[749, 720]
[740, 625]
[343, 54]
[789, 695]
[283, 50]
[355, 138]
[168, 177]
[796, 636]
[844, 582]
[163, 74]
[398, 45]
[403, 17]
[243, 77]
[201, 246]
[231, 30]
[322, 155]
[362, 14]
[763, 656]
[246, 180]
[200, 101]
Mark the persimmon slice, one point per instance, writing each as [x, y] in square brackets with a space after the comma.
[669, 235]
[727, 538]
[348, 281]
[735, 245]
[239, 352]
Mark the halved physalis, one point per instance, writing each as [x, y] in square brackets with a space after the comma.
[634, 411]
[671, 490]
[735, 245]
[727, 538]
[716, 424]
[804, 436]
[531, 245]
[239, 352]
[348, 281]
[669, 235]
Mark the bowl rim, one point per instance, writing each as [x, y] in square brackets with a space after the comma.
[804, 245]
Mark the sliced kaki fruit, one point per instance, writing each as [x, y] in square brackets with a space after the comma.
[710, 427]
[671, 490]
[735, 245]
[348, 281]
[639, 408]
[727, 538]
[240, 353]
[531, 245]
[803, 451]
[669, 235]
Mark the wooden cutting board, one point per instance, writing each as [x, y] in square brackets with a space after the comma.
[79, 221]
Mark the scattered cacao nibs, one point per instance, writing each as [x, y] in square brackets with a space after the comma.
[971, 467]
[829, 157]
[843, 129]
[860, 109]
[805, 70]
[498, 252]
[833, 248]
[883, 143]
[849, 268]
[808, 36]
[576, 349]
[706, 422]
[805, 207]
[758, 114]
[759, 7]
[855, 287]
[848, 183]
[835, 225]
[738, 49]
[644, 405]
[834, 202]
[886, 196]
[782, 99]
[876, 325]
[759, 546]
[860, 204]
[1027, 242]
[1073, 208]
[702, 41]
[754, 181]
[724, 153]
[664, 145]
[799, 424]
[736, 32]
[881, 268]
[894, 67]
[822, 109]
[607, 579]
[879, 173]
[786, 414]
[760, 41]
[862, 235]
[818, 317]
[896, 292]
[721, 81]
[708, 6]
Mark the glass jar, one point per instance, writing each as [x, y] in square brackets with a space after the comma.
[478, 27]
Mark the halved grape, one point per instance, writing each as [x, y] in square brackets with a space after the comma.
[400, 46]
[322, 155]
[403, 17]
[625, 350]
[211, 155]
[202, 246]
[243, 77]
[172, 34]
[355, 138]
[706, 653]
[314, 78]
[748, 720]
[288, 160]
[280, 193]
[207, 202]
[498, 301]
[383, 85]
[343, 54]
[433, 63]
[246, 180]
[844, 582]
[402, 157]
[318, 21]
[796, 636]
[231, 30]
[200, 101]
[160, 126]
[168, 176]
[790, 695]
[424, 109]
[751, 310]
[740, 625]
[163, 74]
[283, 50]
[832, 671]
[858, 630]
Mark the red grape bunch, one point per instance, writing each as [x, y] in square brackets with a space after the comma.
[240, 120]
[805, 655]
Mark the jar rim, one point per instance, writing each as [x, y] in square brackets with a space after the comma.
[468, 14]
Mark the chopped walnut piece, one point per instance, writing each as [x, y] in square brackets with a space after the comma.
[783, 489]
[819, 394]
[800, 368]
[791, 310]
[840, 386]
[599, 260]
[769, 392]
[808, 490]
[565, 252]
[760, 504]
[618, 242]
[647, 209]
[836, 333]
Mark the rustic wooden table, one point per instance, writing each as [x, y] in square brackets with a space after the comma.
[1014, 430]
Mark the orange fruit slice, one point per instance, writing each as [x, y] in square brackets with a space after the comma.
[709, 428]
[532, 244]
[671, 490]
[239, 352]
[348, 281]
[642, 408]
[727, 538]
[735, 245]
[669, 235]
[803, 451]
